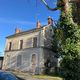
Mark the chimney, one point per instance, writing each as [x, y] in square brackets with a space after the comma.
[17, 30]
[78, 0]
[50, 21]
[38, 25]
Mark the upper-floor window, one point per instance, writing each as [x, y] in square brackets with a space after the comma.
[35, 42]
[51, 30]
[21, 44]
[10, 45]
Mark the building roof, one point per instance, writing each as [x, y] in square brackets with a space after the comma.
[26, 32]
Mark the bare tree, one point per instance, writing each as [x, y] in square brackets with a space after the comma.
[61, 4]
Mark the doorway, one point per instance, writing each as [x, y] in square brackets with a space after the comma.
[33, 63]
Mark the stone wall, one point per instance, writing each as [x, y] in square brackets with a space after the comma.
[27, 41]
[21, 59]
[11, 61]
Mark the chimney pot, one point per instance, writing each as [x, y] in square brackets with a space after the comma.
[38, 24]
[50, 21]
[17, 30]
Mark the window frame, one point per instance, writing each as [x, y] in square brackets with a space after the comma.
[35, 41]
[10, 46]
[21, 44]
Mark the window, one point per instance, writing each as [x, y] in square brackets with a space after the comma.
[33, 63]
[10, 45]
[33, 58]
[21, 44]
[50, 30]
[19, 60]
[35, 42]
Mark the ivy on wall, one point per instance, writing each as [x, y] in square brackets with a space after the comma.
[66, 42]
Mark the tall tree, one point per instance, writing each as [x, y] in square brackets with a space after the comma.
[68, 41]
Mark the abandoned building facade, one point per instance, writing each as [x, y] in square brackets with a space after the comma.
[28, 50]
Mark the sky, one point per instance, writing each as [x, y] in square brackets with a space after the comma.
[22, 14]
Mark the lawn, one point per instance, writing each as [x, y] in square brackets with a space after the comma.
[46, 77]
[41, 77]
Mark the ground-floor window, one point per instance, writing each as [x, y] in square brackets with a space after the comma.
[19, 60]
[33, 59]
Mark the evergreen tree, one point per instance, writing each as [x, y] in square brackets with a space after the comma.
[70, 52]
[66, 42]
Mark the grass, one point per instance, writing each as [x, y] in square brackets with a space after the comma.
[46, 77]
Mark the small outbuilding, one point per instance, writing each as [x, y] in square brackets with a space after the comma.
[1, 62]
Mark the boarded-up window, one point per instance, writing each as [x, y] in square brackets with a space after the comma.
[19, 60]
[10, 45]
[35, 42]
[33, 63]
[33, 59]
[21, 44]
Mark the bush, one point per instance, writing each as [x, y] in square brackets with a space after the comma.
[70, 68]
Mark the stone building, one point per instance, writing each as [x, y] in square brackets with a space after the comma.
[1, 62]
[29, 50]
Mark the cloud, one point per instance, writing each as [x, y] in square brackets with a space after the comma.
[9, 21]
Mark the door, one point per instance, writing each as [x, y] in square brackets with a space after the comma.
[33, 61]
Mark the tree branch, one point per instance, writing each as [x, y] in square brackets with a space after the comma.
[52, 9]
